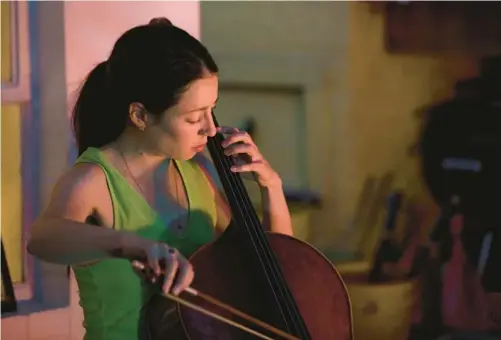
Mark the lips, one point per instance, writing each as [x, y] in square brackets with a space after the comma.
[200, 147]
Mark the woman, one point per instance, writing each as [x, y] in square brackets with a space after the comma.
[141, 187]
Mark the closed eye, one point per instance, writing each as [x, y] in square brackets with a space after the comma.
[189, 121]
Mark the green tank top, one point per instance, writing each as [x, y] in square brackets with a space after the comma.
[111, 293]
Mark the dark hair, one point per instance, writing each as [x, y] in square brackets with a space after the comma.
[150, 64]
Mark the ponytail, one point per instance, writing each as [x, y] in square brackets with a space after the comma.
[95, 122]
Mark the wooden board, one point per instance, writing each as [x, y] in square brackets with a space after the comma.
[445, 27]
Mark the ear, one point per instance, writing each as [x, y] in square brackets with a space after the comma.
[138, 115]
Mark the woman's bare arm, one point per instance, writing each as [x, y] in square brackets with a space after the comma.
[276, 216]
[60, 234]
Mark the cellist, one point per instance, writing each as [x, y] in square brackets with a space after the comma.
[141, 186]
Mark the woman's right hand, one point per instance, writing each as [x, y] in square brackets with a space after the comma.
[165, 263]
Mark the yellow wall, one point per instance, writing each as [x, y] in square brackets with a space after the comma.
[11, 160]
[6, 42]
[11, 188]
[385, 92]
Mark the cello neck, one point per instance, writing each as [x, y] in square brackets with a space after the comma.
[243, 212]
[245, 216]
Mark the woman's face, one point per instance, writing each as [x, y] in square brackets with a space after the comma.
[182, 131]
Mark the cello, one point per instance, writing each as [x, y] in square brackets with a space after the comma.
[271, 280]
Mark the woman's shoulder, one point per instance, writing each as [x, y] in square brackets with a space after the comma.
[74, 195]
[84, 174]
[81, 178]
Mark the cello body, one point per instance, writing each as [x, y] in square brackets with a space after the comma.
[274, 278]
[222, 270]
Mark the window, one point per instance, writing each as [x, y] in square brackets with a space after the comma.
[12, 190]
[15, 53]
[11, 219]
[37, 285]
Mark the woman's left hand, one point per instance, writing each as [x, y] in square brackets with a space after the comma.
[239, 143]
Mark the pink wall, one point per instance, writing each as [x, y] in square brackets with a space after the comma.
[90, 33]
[90, 28]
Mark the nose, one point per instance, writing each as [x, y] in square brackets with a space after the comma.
[210, 128]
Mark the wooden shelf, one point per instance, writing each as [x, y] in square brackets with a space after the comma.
[438, 27]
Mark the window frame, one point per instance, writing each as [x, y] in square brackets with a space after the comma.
[18, 89]
[45, 286]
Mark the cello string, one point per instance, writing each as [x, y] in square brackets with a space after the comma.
[262, 240]
[279, 289]
[260, 236]
[236, 190]
[243, 209]
[225, 164]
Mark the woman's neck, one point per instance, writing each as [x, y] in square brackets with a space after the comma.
[138, 155]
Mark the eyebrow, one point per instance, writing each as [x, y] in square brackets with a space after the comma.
[203, 108]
